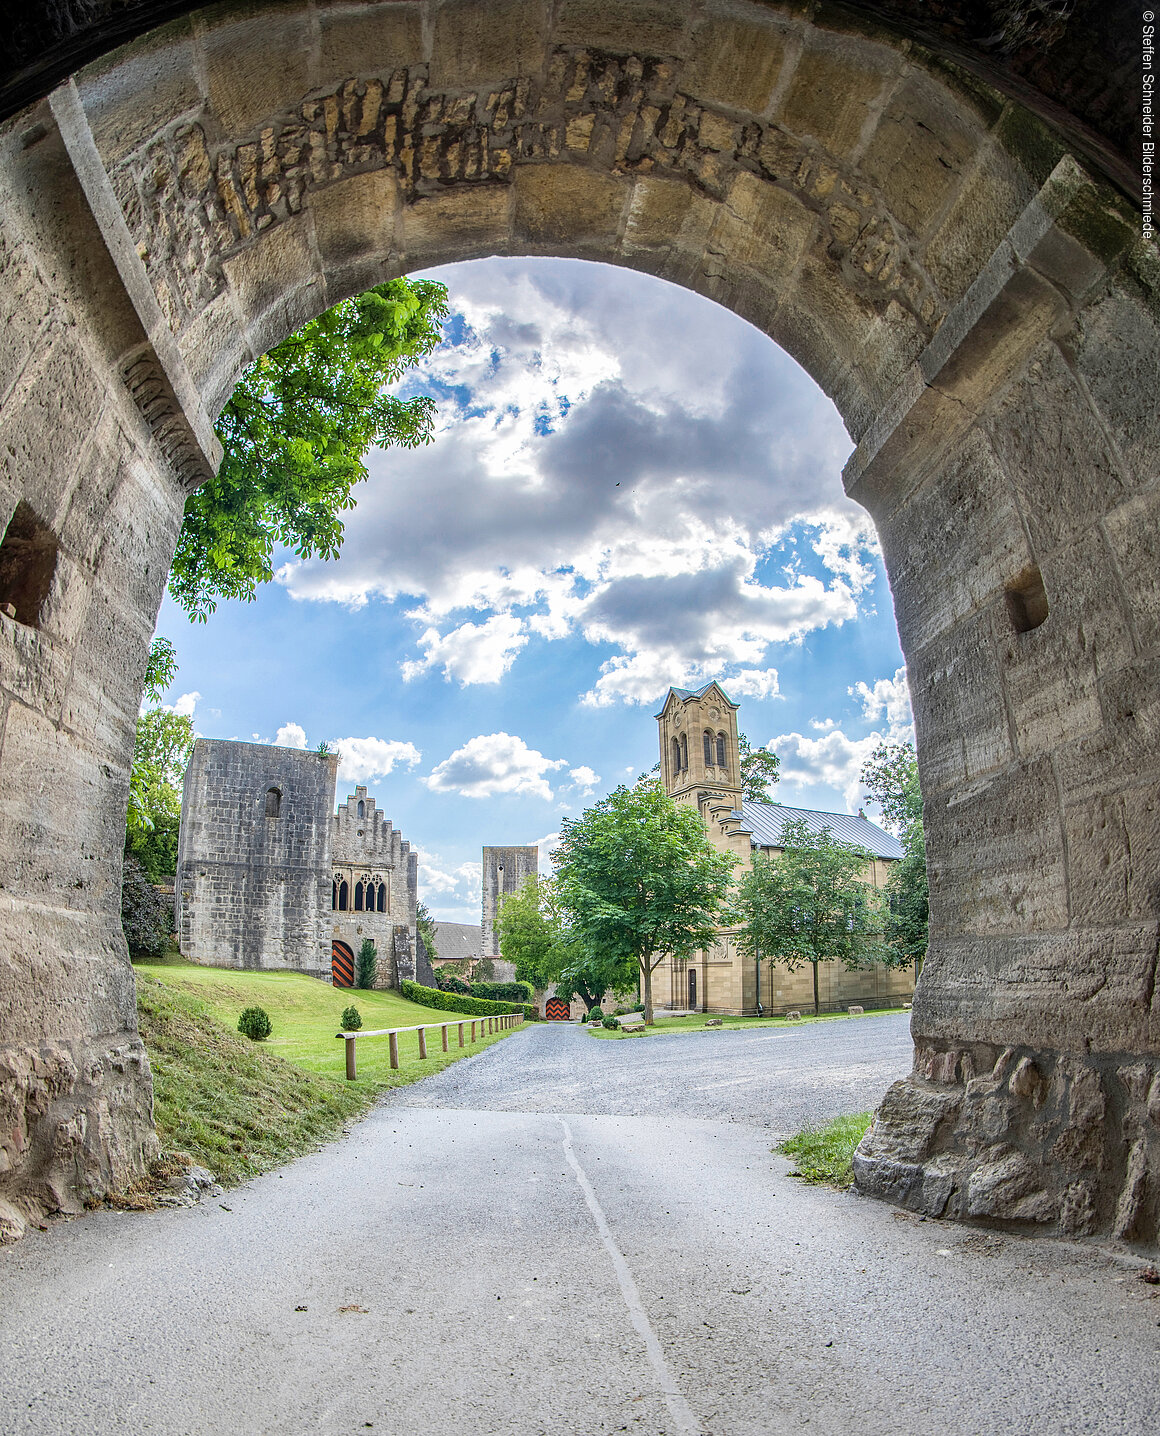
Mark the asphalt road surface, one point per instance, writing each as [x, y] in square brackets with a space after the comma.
[562, 1235]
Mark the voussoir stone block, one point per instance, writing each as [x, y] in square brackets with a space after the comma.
[829, 101]
[761, 226]
[735, 61]
[443, 223]
[483, 41]
[128, 99]
[568, 205]
[646, 27]
[244, 88]
[368, 39]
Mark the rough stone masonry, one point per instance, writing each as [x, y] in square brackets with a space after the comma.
[953, 253]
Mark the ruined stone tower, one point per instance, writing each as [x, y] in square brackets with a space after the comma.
[504, 869]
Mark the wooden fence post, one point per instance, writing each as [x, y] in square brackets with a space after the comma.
[445, 1036]
[393, 1039]
[350, 1060]
[461, 1034]
[473, 1032]
[422, 1044]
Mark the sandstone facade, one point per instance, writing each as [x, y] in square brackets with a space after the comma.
[966, 279]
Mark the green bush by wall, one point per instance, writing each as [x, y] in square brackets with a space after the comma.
[452, 1002]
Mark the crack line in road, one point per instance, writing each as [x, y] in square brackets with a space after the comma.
[679, 1408]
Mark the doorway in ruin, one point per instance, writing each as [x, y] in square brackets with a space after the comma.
[956, 257]
[341, 964]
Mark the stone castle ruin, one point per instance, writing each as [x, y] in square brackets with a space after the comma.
[503, 871]
[935, 209]
[270, 876]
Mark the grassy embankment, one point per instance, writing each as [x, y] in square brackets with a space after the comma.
[696, 1023]
[826, 1154]
[240, 1107]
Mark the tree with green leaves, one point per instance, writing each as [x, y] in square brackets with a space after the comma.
[161, 752]
[640, 879]
[425, 926]
[760, 771]
[535, 933]
[890, 777]
[367, 971]
[810, 903]
[295, 433]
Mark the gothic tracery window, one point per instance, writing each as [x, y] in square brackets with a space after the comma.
[707, 740]
[720, 750]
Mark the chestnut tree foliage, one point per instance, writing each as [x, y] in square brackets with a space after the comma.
[890, 777]
[640, 879]
[296, 432]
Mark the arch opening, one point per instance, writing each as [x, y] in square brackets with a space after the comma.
[977, 307]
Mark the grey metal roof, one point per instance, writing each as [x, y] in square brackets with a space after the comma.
[766, 820]
[685, 693]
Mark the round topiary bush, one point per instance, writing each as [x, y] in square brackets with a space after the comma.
[255, 1023]
[595, 1015]
[351, 1019]
[612, 1022]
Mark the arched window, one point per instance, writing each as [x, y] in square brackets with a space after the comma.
[720, 750]
[273, 802]
[359, 894]
[343, 896]
[382, 897]
[676, 756]
[334, 895]
[707, 740]
[370, 897]
[362, 808]
[684, 750]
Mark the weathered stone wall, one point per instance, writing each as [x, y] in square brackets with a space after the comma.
[367, 846]
[977, 303]
[253, 890]
[504, 871]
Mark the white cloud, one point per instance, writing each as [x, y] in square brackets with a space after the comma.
[186, 704]
[471, 653]
[437, 877]
[889, 696]
[835, 760]
[584, 778]
[494, 763]
[546, 845]
[290, 735]
[591, 476]
[362, 760]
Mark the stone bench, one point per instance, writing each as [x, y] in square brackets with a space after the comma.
[856, 1011]
[632, 1022]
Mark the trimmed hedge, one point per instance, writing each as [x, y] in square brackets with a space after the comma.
[520, 992]
[452, 1002]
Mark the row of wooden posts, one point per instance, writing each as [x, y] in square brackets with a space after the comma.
[494, 1024]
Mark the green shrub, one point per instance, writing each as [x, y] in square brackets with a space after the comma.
[448, 982]
[255, 1024]
[611, 1022]
[368, 964]
[638, 1007]
[351, 1019]
[144, 921]
[619, 1011]
[452, 1002]
[595, 1015]
[520, 992]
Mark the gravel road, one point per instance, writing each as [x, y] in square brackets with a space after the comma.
[567, 1237]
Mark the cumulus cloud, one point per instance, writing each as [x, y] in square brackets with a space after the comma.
[492, 763]
[290, 735]
[592, 476]
[584, 778]
[363, 760]
[471, 653]
[889, 696]
[834, 759]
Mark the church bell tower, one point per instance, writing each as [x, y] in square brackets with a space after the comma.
[700, 753]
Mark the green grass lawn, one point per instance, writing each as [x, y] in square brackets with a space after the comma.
[242, 1107]
[696, 1023]
[826, 1154]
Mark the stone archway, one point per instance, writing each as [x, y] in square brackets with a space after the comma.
[976, 301]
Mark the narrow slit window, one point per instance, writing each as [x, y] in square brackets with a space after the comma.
[273, 803]
[28, 554]
[720, 750]
[362, 808]
[1027, 600]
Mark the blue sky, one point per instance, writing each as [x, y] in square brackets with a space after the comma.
[629, 487]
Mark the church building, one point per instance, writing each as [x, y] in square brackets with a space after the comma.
[701, 766]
